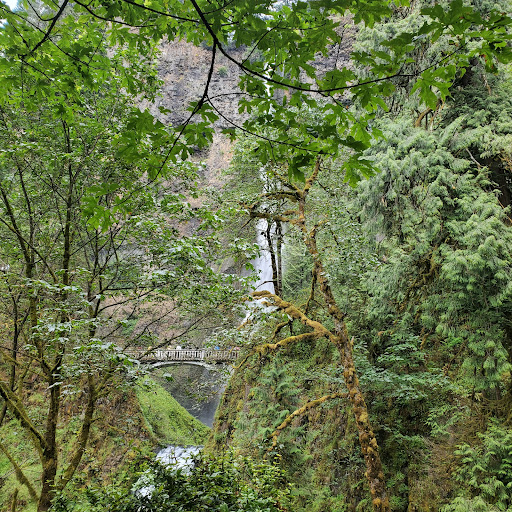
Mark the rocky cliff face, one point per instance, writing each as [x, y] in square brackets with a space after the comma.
[184, 68]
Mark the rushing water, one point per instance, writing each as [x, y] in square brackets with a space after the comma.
[263, 264]
[180, 457]
[197, 388]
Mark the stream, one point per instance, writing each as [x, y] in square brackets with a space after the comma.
[198, 389]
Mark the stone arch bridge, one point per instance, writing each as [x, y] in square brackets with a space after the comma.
[176, 356]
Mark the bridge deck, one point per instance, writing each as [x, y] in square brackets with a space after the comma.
[199, 355]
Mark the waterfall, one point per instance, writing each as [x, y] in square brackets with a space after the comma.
[262, 264]
[180, 457]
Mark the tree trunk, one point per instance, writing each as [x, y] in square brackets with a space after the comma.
[367, 439]
[49, 459]
[369, 446]
[279, 253]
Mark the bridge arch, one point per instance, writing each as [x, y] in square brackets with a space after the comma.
[163, 364]
[196, 385]
[191, 356]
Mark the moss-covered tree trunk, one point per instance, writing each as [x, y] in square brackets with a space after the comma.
[337, 335]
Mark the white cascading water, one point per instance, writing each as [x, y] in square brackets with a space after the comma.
[262, 264]
[179, 457]
[263, 269]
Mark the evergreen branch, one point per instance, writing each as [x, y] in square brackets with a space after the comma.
[478, 164]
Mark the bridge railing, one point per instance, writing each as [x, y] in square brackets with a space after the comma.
[184, 355]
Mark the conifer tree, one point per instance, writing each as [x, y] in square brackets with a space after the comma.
[447, 250]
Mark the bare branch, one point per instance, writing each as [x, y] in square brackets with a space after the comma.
[266, 347]
[50, 28]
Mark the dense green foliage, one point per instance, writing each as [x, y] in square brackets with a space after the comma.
[93, 260]
[486, 468]
[420, 258]
[50, 45]
[98, 253]
[221, 484]
[447, 244]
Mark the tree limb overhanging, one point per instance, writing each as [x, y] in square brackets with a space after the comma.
[338, 335]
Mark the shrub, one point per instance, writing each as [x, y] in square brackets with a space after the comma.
[216, 484]
[485, 471]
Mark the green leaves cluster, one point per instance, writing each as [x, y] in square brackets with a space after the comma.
[486, 470]
[62, 51]
[271, 401]
[221, 484]
[92, 236]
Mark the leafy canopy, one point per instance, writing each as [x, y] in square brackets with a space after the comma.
[52, 41]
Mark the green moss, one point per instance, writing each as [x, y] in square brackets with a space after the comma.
[167, 420]
[319, 452]
[119, 434]
[13, 436]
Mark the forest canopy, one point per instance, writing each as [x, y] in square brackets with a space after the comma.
[60, 48]
[399, 309]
